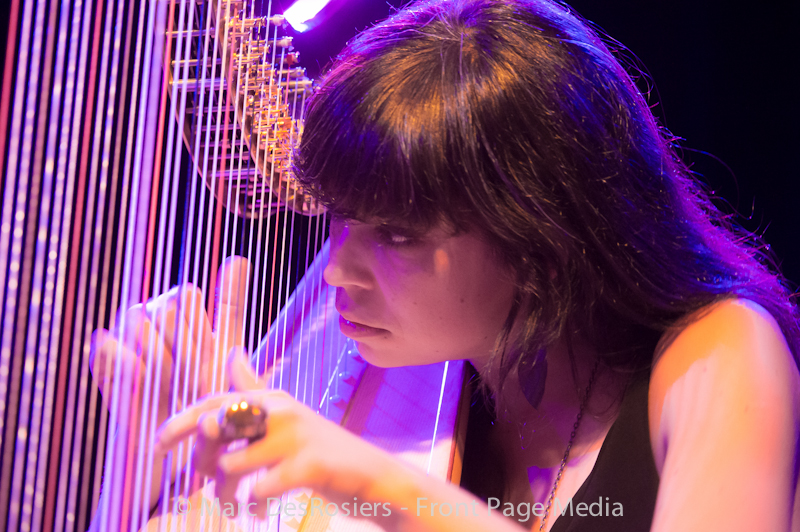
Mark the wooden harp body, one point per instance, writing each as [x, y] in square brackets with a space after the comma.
[142, 143]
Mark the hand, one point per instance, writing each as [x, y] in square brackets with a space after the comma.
[173, 331]
[300, 449]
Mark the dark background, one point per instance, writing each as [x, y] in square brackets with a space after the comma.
[725, 79]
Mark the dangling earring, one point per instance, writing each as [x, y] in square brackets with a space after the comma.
[532, 376]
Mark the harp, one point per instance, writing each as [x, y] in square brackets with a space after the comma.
[141, 143]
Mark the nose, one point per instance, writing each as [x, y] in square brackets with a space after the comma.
[348, 263]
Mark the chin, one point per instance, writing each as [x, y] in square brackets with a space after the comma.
[379, 357]
[390, 358]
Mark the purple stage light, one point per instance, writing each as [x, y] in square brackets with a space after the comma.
[302, 11]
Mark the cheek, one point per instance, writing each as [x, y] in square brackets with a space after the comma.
[485, 305]
[449, 302]
[458, 315]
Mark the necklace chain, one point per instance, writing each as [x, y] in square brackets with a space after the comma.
[569, 447]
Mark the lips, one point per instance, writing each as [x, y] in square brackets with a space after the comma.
[356, 330]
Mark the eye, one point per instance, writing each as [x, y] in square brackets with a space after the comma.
[395, 237]
[399, 239]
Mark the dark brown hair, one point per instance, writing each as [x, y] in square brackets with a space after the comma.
[513, 118]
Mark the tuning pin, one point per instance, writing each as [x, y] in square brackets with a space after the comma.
[277, 20]
[347, 378]
[338, 401]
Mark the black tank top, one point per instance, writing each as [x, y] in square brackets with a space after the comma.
[624, 478]
[625, 473]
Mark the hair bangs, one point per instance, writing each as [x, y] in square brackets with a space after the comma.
[356, 161]
[382, 141]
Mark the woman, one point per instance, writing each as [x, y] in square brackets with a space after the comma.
[502, 194]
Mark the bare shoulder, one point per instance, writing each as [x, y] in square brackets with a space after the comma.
[735, 346]
[741, 324]
[724, 406]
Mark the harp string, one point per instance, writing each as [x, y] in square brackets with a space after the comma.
[133, 454]
[297, 388]
[268, 172]
[258, 295]
[75, 295]
[19, 138]
[318, 288]
[182, 60]
[303, 297]
[165, 487]
[5, 97]
[210, 218]
[67, 253]
[232, 233]
[255, 229]
[92, 241]
[31, 282]
[118, 281]
[51, 312]
[208, 150]
[100, 161]
[279, 95]
[163, 259]
[182, 302]
[115, 106]
[220, 175]
[269, 162]
[286, 223]
[116, 463]
[221, 322]
[197, 281]
[254, 150]
[197, 359]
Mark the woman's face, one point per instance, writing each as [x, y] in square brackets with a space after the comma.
[414, 300]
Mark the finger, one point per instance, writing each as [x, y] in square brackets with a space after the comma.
[99, 338]
[260, 507]
[134, 328]
[182, 318]
[242, 376]
[107, 354]
[184, 424]
[230, 296]
[202, 352]
[277, 480]
[137, 332]
[178, 318]
[209, 447]
[162, 311]
[225, 486]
